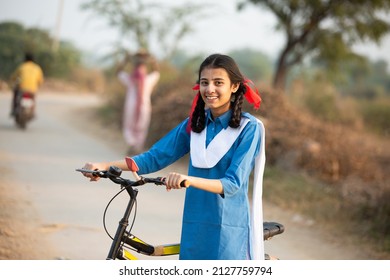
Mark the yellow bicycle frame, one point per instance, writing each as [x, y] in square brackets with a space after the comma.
[144, 248]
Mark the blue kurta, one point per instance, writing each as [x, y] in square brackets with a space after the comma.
[215, 227]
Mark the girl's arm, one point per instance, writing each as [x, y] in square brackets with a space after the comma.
[159, 156]
[174, 180]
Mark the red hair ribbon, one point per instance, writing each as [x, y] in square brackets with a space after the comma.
[196, 87]
[252, 96]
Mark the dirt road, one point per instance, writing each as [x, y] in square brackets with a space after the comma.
[49, 211]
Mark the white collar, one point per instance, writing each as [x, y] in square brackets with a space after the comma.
[203, 157]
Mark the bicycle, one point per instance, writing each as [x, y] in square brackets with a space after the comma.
[124, 241]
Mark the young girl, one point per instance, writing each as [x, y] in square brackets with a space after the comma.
[225, 145]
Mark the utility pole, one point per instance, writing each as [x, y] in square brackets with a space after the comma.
[58, 26]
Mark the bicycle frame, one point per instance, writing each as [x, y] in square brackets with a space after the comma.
[124, 222]
[146, 249]
[117, 251]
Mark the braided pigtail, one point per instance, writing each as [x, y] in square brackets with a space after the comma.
[236, 107]
[198, 120]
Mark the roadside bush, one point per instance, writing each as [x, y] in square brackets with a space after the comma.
[374, 219]
[323, 105]
[91, 80]
[322, 100]
[376, 115]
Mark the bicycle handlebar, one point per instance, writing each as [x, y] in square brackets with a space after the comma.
[113, 173]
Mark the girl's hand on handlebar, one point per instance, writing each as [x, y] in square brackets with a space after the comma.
[174, 180]
[94, 166]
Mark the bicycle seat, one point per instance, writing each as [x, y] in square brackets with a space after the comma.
[271, 229]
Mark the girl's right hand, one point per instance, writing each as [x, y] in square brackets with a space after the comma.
[94, 166]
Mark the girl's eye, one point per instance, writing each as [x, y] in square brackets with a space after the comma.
[203, 83]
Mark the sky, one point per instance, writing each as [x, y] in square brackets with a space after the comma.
[223, 29]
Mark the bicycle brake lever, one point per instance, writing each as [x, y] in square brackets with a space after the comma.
[160, 181]
[99, 173]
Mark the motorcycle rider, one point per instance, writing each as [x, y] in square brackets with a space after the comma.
[27, 78]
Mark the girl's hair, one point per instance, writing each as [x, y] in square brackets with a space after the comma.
[198, 119]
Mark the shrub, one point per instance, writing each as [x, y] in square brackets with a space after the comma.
[376, 115]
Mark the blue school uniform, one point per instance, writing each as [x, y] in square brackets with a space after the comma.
[215, 227]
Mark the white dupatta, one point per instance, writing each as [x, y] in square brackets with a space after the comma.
[203, 157]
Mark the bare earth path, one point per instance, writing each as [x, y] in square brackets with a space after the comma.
[49, 211]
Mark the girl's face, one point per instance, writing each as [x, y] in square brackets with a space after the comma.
[216, 90]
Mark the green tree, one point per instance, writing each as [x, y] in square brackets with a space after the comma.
[11, 47]
[369, 81]
[16, 40]
[141, 23]
[253, 64]
[323, 29]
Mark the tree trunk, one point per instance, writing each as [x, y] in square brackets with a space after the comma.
[279, 82]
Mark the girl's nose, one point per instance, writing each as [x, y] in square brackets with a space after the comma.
[210, 88]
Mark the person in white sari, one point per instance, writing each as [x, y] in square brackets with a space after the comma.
[137, 107]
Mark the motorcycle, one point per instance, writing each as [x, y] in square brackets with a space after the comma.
[24, 108]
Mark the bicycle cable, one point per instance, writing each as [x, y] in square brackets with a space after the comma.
[108, 205]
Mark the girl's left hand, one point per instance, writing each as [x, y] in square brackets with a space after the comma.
[174, 179]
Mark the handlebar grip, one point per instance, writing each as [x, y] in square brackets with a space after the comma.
[184, 184]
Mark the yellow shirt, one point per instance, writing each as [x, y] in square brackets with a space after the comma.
[30, 76]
